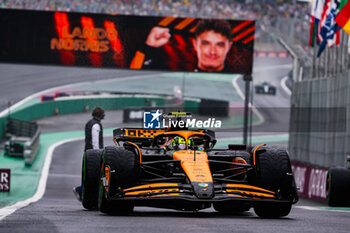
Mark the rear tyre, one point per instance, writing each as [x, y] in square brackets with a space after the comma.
[338, 187]
[124, 168]
[274, 172]
[90, 178]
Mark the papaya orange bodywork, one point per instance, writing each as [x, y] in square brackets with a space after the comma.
[254, 161]
[143, 133]
[151, 186]
[245, 186]
[107, 175]
[138, 150]
[251, 193]
[152, 189]
[240, 161]
[196, 166]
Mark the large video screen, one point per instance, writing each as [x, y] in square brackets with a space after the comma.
[125, 41]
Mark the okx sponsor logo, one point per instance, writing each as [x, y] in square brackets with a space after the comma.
[151, 120]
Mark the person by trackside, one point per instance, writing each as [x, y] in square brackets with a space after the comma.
[93, 138]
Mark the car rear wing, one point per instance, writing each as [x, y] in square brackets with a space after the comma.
[136, 135]
[145, 136]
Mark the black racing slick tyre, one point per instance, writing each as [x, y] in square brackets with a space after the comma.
[90, 178]
[274, 172]
[124, 169]
[338, 187]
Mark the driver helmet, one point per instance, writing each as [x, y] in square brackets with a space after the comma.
[191, 144]
[178, 143]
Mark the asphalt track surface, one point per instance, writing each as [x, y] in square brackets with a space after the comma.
[59, 211]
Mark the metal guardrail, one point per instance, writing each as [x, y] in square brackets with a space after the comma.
[31, 149]
[23, 140]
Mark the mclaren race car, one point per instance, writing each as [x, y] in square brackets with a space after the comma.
[182, 170]
[265, 88]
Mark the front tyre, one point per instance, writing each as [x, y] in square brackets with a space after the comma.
[119, 170]
[274, 172]
[90, 178]
[111, 207]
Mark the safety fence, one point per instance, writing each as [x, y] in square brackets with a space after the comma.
[320, 103]
[319, 134]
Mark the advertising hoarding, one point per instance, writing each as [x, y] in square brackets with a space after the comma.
[126, 41]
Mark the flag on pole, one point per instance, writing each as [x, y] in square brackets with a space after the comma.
[329, 33]
[343, 18]
[336, 39]
[316, 12]
[324, 14]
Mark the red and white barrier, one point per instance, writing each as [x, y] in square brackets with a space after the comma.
[310, 180]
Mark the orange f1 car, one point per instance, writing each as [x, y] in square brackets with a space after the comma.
[150, 167]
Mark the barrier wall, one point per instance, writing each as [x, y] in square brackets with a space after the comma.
[37, 109]
[321, 135]
[24, 138]
[310, 180]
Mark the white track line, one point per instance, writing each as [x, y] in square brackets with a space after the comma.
[321, 209]
[284, 85]
[6, 211]
[240, 93]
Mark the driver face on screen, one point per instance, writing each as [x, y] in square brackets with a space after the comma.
[211, 48]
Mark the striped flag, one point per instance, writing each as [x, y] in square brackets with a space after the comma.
[316, 13]
[343, 18]
[329, 33]
[336, 38]
[324, 15]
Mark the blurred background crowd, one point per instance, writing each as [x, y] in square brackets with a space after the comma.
[231, 9]
[273, 16]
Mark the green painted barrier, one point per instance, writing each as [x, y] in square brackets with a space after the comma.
[34, 109]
